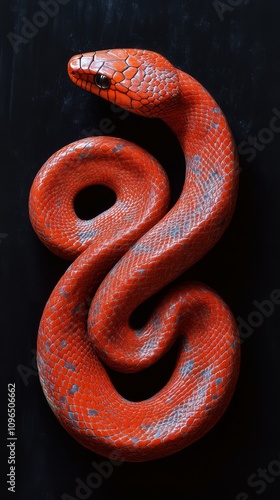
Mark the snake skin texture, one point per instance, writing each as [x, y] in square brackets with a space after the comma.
[128, 253]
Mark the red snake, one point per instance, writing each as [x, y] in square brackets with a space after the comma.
[128, 253]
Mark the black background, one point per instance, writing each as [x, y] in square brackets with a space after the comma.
[235, 55]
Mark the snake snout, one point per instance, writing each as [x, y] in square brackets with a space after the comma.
[74, 66]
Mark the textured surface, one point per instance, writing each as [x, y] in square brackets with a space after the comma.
[147, 253]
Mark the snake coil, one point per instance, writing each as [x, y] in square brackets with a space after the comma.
[128, 253]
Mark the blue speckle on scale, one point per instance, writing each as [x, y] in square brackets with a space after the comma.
[92, 413]
[63, 343]
[47, 346]
[135, 440]
[63, 292]
[74, 389]
[175, 231]
[119, 147]
[219, 381]
[158, 434]
[140, 248]
[145, 426]
[185, 345]
[77, 308]
[70, 366]
[207, 373]
[196, 162]
[87, 235]
[187, 367]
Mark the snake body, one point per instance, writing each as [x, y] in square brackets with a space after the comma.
[128, 253]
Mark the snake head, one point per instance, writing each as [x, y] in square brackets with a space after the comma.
[140, 81]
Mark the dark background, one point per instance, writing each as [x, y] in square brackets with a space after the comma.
[234, 52]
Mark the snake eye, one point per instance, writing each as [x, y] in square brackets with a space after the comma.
[102, 81]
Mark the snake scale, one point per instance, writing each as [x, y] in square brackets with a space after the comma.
[128, 253]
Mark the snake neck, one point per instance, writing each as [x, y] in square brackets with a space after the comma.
[195, 118]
